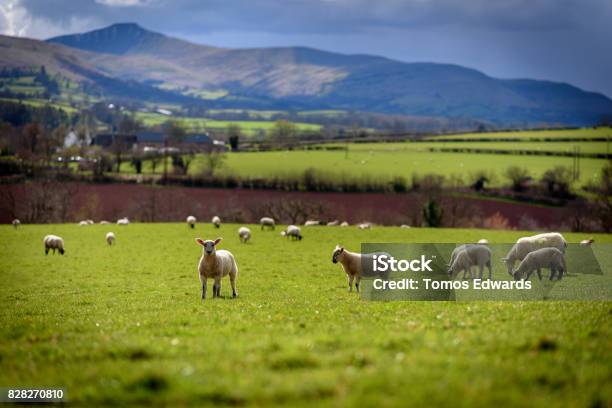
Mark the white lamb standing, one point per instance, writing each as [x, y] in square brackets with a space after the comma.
[351, 264]
[110, 238]
[54, 242]
[344, 224]
[123, 221]
[16, 223]
[216, 221]
[215, 264]
[333, 223]
[364, 225]
[464, 257]
[311, 223]
[191, 221]
[526, 245]
[293, 231]
[267, 222]
[244, 234]
[550, 258]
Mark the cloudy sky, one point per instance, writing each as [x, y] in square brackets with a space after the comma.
[559, 40]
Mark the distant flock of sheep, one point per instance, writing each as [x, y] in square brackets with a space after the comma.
[534, 253]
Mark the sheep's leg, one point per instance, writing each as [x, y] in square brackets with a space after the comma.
[539, 273]
[489, 267]
[464, 274]
[472, 272]
[357, 280]
[217, 287]
[203, 289]
[46, 251]
[233, 283]
[553, 271]
[480, 270]
[350, 283]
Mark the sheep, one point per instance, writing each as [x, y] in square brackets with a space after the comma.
[83, 223]
[404, 226]
[483, 241]
[104, 222]
[215, 265]
[123, 221]
[244, 234]
[191, 220]
[351, 264]
[54, 242]
[551, 258]
[364, 225]
[586, 242]
[16, 223]
[333, 223]
[292, 232]
[216, 221]
[110, 238]
[464, 257]
[267, 222]
[311, 223]
[525, 245]
[344, 224]
[90, 222]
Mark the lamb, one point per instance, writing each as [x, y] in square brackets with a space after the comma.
[312, 223]
[267, 222]
[292, 232]
[483, 241]
[216, 221]
[123, 221]
[364, 225]
[83, 223]
[551, 258]
[215, 265]
[191, 220]
[351, 264]
[104, 222]
[54, 242]
[344, 224]
[16, 223]
[464, 257]
[526, 245]
[586, 242]
[244, 234]
[404, 226]
[333, 223]
[110, 238]
[90, 222]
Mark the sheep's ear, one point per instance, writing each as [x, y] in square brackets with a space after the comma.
[200, 241]
[218, 240]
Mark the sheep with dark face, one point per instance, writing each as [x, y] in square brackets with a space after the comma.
[55, 243]
[525, 245]
[215, 264]
[216, 221]
[351, 264]
[244, 233]
[16, 223]
[191, 221]
[110, 238]
[267, 222]
[550, 258]
[293, 232]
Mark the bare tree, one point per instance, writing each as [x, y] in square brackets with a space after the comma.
[291, 211]
[213, 160]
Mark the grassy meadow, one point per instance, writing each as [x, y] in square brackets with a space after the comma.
[126, 324]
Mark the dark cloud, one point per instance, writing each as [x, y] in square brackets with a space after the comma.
[563, 40]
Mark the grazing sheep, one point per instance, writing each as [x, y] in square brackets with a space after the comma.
[54, 242]
[587, 242]
[551, 258]
[464, 257]
[216, 221]
[404, 226]
[483, 241]
[90, 222]
[364, 225]
[83, 223]
[311, 223]
[292, 232]
[16, 223]
[244, 234]
[267, 222]
[351, 264]
[526, 245]
[123, 221]
[191, 220]
[104, 222]
[333, 223]
[344, 224]
[110, 238]
[215, 265]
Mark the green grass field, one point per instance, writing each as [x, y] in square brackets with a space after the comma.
[126, 324]
[585, 133]
[248, 127]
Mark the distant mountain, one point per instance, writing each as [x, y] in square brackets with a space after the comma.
[298, 77]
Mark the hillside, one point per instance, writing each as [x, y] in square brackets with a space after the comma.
[305, 78]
